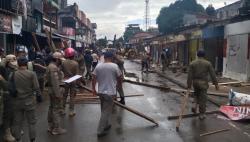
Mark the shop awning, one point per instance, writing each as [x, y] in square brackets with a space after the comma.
[63, 36]
[45, 36]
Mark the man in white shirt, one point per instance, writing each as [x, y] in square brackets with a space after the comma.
[108, 76]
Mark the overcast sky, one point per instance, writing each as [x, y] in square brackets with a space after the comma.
[112, 16]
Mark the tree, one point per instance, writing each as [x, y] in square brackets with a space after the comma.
[130, 31]
[102, 42]
[171, 18]
[210, 10]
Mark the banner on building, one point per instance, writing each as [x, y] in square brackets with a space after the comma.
[236, 112]
[68, 31]
[17, 24]
[5, 23]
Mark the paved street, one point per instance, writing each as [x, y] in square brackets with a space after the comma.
[128, 127]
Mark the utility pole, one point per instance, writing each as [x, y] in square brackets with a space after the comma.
[147, 15]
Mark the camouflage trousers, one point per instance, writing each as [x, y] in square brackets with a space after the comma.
[24, 109]
[70, 89]
[164, 65]
[200, 98]
[54, 117]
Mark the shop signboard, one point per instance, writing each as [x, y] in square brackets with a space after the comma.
[17, 24]
[5, 23]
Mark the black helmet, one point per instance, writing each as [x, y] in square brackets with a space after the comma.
[201, 53]
[22, 61]
[39, 55]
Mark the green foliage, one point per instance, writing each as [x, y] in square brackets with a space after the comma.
[102, 42]
[210, 10]
[171, 18]
[130, 32]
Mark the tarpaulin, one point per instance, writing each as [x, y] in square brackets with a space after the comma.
[236, 112]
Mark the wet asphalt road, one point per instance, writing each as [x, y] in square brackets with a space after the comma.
[128, 127]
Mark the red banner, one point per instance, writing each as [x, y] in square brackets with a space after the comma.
[236, 112]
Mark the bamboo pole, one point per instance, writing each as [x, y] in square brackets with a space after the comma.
[136, 112]
[129, 109]
[146, 84]
[35, 41]
[174, 89]
[93, 97]
[183, 107]
[214, 132]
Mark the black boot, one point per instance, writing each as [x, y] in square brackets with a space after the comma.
[122, 101]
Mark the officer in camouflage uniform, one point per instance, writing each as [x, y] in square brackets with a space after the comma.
[198, 77]
[8, 66]
[24, 102]
[70, 68]
[39, 67]
[54, 77]
[3, 92]
[80, 60]
[88, 63]
[120, 62]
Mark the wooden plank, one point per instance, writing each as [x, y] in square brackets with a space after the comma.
[174, 89]
[50, 41]
[129, 109]
[35, 41]
[230, 83]
[146, 84]
[214, 132]
[86, 88]
[245, 84]
[183, 108]
[191, 115]
[91, 96]
[209, 92]
[213, 101]
[136, 112]
[227, 83]
[183, 91]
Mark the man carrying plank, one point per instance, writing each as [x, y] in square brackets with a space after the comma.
[198, 77]
[108, 76]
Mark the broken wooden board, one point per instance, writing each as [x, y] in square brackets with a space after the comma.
[191, 115]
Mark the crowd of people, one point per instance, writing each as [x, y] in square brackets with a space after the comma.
[22, 83]
[24, 76]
